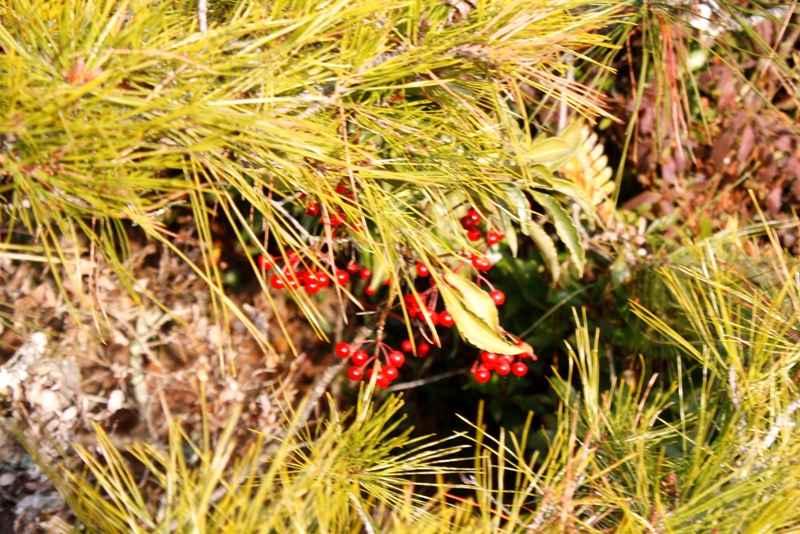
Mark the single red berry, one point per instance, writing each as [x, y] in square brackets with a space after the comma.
[388, 281]
[423, 349]
[493, 237]
[337, 220]
[265, 261]
[390, 372]
[396, 358]
[406, 345]
[467, 223]
[502, 368]
[313, 209]
[276, 282]
[481, 263]
[382, 381]
[342, 276]
[352, 267]
[482, 375]
[498, 297]
[323, 278]
[489, 359]
[508, 358]
[364, 273]
[519, 369]
[423, 270]
[343, 350]
[355, 374]
[308, 276]
[446, 320]
[431, 315]
[474, 215]
[371, 290]
[474, 234]
[303, 196]
[313, 287]
[341, 189]
[359, 357]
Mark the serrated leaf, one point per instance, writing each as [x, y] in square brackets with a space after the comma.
[565, 229]
[510, 233]
[573, 136]
[473, 329]
[475, 300]
[550, 152]
[518, 205]
[548, 250]
[575, 194]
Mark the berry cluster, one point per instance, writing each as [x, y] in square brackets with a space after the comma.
[394, 359]
[502, 364]
[420, 306]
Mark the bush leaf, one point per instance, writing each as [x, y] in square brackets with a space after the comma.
[565, 228]
[475, 300]
[548, 250]
[472, 328]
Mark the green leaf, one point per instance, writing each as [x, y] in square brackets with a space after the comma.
[510, 232]
[550, 152]
[574, 193]
[473, 329]
[565, 228]
[548, 250]
[518, 205]
[475, 300]
[573, 136]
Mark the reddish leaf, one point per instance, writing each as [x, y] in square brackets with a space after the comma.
[746, 144]
[774, 200]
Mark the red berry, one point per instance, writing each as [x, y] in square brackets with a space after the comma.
[308, 276]
[508, 358]
[431, 315]
[337, 220]
[405, 345]
[342, 276]
[474, 234]
[276, 282]
[355, 374]
[482, 375]
[313, 209]
[382, 381]
[519, 369]
[493, 237]
[265, 261]
[390, 372]
[352, 267]
[471, 219]
[502, 368]
[446, 320]
[481, 263]
[423, 270]
[371, 290]
[396, 358]
[341, 189]
[364, 273]
[489, 359]
[324, 279]
[343, 350]
[313, 287]
[423, 349]
[359, 357]
[498, 296]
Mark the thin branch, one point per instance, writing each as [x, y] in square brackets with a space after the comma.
[362, 514]
[202, 15]
[425, 381]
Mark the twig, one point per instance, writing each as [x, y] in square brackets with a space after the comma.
[362, 514]
[425, 381]
[202, 15]
[312, 239]
[783, 420]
